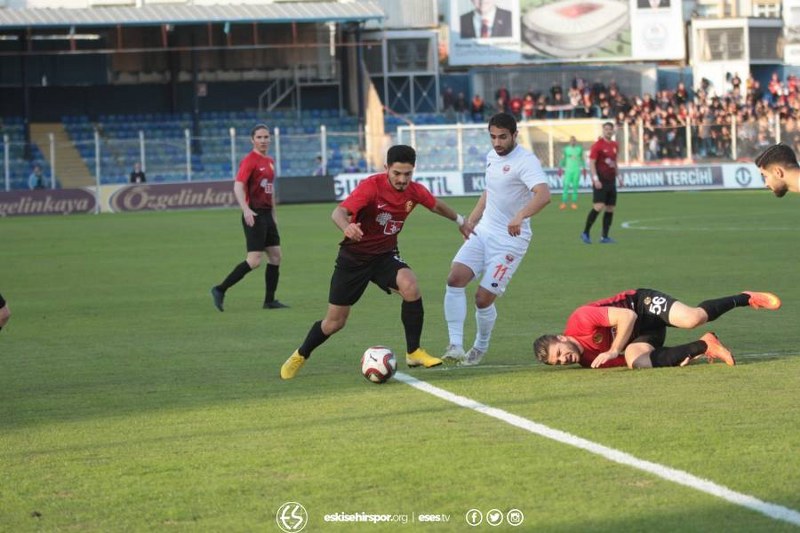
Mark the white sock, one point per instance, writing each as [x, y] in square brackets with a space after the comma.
[455, 313]
[485, 319]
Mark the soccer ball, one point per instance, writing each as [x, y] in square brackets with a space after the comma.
[378, 364]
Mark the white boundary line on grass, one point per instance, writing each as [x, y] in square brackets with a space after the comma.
[771, 510]
[651, 224]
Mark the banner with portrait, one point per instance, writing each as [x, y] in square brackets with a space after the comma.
[484, 32]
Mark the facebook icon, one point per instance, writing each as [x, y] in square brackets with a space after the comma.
[474, 517]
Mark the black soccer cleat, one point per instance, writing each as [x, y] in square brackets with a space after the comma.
[218, 296]
[275, 304]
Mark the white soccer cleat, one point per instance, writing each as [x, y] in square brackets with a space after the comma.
[473, 357]
[454, 354]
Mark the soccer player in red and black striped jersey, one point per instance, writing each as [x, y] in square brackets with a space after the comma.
[630, 329]
[254, 191]
[370, 218]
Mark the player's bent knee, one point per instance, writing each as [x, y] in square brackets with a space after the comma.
[690, 318]
[410, 293]
[455, 280]
[274, 255]
[460, 275]
[484, 299]
[699, 317]
[638, 355]
[331, 326]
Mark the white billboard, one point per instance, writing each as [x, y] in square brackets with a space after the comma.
[791, 32]
[486, 32]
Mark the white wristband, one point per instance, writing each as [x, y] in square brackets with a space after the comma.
[459, 220]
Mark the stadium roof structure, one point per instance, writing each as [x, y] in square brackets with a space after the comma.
[157, 14]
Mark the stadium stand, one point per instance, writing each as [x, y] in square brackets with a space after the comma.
[726, 123]
[20, 163]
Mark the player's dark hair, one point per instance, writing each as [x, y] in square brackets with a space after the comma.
[608, 124]
[400, 153]
[504, 121]
[259, 126]
[541, 347]
[780, 154]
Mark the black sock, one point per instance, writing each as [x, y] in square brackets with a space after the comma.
[590, 220]
[236, 275]
[720, 306]
[271, 281]
[607, 217]
[674, 356]
[412, 314]
[314, 338]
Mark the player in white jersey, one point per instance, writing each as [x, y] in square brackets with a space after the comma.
[516, 189]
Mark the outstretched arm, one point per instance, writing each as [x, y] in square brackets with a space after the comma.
[444, 210]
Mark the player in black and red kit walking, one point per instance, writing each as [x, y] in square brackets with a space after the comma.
[603, 165]
[253, 188]
[371, 218]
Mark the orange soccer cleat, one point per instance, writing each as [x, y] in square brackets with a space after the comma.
[715, 349]
[764, 300]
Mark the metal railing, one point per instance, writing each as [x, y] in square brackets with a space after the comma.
[106, 158]
[463, 146]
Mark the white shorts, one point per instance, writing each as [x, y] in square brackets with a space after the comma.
[492, 259]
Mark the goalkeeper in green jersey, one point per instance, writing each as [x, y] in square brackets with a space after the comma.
[571, 165]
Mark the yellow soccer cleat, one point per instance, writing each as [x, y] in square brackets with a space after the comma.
[292, 365]
[422, 358]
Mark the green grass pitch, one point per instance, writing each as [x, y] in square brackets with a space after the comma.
[128, 403]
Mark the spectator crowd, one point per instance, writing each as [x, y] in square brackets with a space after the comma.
[742, 112]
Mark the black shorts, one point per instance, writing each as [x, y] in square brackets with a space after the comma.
[264, 232]
[2, 302]
[352, 275]
[607, 194]
[652, 309]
